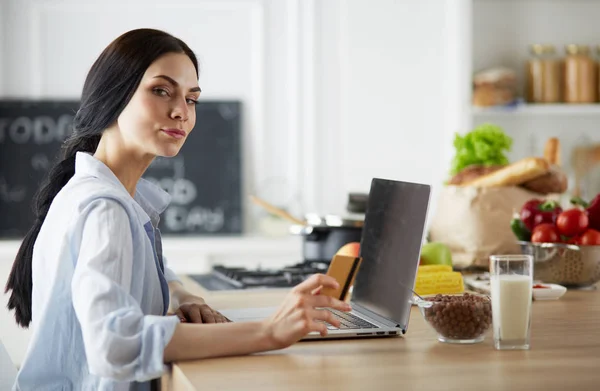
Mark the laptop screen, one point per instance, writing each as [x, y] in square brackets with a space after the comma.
[390, 246]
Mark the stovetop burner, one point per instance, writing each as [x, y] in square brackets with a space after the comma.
[227, 278]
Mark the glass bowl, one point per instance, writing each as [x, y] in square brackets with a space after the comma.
[460, 318]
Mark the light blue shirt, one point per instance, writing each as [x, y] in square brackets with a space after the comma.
[100, 294]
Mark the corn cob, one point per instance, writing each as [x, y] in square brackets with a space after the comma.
[434, 268]
[434, 283]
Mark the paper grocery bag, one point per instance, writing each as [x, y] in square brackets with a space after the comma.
[475, 222]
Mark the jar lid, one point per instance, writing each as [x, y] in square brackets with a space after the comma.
[577, 49]
[538, 48]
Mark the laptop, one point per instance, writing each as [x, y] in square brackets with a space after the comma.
[392, 236]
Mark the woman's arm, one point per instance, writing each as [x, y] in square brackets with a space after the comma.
[195, 341]
[297, 316]
[120, 341]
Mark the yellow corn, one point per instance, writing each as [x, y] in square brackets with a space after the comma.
[434, 268]
[434, 283]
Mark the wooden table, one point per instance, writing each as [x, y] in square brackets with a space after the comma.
[565, 355]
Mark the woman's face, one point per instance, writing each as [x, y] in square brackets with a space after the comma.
[161, 113]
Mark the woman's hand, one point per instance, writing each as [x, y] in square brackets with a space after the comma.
[299, 315]
[191, 308]
[194, 309]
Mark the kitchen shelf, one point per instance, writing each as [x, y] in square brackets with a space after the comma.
[539, 109]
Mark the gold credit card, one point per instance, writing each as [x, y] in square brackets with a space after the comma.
[344, 269]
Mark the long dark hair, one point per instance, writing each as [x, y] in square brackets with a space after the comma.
[110, 84]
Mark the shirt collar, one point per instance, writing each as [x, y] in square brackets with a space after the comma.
[150, 197]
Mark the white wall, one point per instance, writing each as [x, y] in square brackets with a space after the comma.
[244, 48]
[335, 92]
[395, 61]
[2, 49]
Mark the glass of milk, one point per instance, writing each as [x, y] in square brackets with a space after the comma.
[511, 279]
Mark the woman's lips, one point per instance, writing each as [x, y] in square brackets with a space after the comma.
[176, 133]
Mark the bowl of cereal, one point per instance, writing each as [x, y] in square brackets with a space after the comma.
[461, 318]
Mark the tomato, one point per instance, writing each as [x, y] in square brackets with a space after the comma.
[590, 237]
[572, 222]
[545, 233]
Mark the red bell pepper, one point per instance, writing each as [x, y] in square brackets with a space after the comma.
[593, 211]
[535, 212]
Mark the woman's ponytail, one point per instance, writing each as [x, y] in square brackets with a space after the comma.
[20, 278]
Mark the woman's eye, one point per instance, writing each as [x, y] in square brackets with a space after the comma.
[161, 92]
[192, 101]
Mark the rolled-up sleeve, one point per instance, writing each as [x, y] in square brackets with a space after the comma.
[120, 341]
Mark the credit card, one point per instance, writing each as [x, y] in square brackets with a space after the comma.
[344, 269]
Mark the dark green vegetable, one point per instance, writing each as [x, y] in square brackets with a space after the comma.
[578, 201]
[520, 230]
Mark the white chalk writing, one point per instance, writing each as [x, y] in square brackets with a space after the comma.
[40, 162]
[179, 218]
[182, 190]
[39, 130]
[8, 194]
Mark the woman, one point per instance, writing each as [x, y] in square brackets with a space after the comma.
[89, 275]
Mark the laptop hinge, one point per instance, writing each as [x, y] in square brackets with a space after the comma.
[385, 321]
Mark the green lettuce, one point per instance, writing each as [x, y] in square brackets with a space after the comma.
[484, 145]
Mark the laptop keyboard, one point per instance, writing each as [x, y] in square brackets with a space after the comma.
[349, 321]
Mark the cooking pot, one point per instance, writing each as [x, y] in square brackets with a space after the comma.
[324, 235]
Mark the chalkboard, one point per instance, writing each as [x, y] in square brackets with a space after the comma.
[204, 179]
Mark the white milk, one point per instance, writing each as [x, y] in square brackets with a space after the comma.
[511, 306]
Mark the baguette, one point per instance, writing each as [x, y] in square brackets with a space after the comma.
[471, 173]
[552, 151]
[514, 174]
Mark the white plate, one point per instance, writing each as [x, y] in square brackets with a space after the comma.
[553, 292]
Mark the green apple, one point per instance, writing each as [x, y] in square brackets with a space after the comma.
[435, 253]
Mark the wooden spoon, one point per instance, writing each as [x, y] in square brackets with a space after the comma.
[277, 211]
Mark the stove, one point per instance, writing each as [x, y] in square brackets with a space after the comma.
[233, 278]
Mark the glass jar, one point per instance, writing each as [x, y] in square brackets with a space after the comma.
[580, 80]
[598, 71]
[543, 73]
